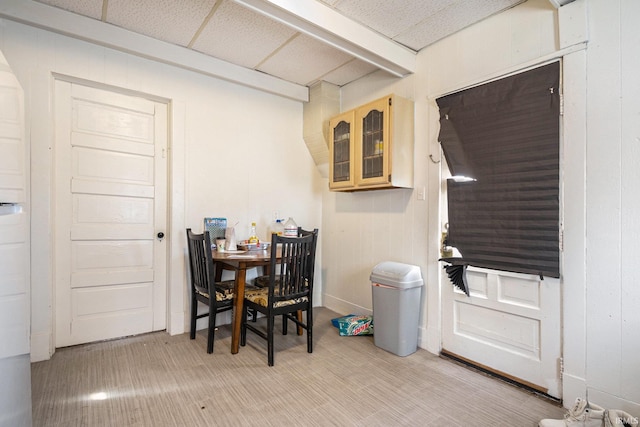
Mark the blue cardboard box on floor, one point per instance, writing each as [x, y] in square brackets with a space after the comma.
[354, 324]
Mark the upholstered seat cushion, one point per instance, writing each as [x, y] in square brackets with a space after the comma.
[224, 290]
[261, 295]
[263, 281]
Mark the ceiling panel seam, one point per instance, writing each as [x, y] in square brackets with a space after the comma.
[282, 46]
[205, 22]
[105, 8]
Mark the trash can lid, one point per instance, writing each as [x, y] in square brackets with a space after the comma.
[397, 274]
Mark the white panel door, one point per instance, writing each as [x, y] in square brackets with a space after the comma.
[111, 185]
[510, 324]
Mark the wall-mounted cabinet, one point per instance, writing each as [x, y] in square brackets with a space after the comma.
[341, 151]
[371, 147]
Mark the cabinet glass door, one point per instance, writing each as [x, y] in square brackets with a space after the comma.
[341, 151]
[372, 144]
[373, 150]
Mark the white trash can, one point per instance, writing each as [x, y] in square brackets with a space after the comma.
[396, 289]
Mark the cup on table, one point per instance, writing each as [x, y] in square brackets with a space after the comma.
[220, 243]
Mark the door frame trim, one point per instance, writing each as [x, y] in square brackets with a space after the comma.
[175, 310]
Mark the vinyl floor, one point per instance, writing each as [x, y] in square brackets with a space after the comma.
[161, 380]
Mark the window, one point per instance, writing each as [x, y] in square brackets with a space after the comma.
[503, 137]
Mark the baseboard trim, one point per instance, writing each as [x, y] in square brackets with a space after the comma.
[40, 346]
[611, 401]
[430, 340]
[572, 388]
[344, 307]
[177, 323]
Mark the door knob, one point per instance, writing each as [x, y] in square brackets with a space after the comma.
[160, 235]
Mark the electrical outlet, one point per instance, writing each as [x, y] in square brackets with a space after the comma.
[421, 193]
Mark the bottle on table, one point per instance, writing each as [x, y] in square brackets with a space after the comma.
[290, 228]
[278, 227]
[253, 236]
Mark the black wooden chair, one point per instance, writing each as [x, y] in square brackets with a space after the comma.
[263, 280]
[290, 290]
[203, 286]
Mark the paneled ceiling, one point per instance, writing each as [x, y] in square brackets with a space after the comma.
[298, 41]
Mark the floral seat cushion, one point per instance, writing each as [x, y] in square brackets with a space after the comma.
[260, 296]
[224, 290]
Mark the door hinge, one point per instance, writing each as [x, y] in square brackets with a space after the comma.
[561, 240]
[562, 104]
[561, 363]
[390, 101]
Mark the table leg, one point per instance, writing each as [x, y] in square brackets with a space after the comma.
[238, 302]
[299, 315]
[219, 268]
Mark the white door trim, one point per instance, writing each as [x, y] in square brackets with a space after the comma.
[162, 108]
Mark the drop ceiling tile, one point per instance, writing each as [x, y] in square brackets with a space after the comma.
[349, 72]
[329, 2]
[168, 20]
[90, 8]
[451, 20]
[247, 38]
[391, 17]
[241, 36]
[303, 60]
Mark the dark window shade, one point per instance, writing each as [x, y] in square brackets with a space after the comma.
[505, 135]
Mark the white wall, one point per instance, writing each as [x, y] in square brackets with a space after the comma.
[612, 340]
[600, 144]
[601, 133]
[235, 152]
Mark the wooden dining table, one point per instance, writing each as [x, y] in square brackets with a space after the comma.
[240, 262]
